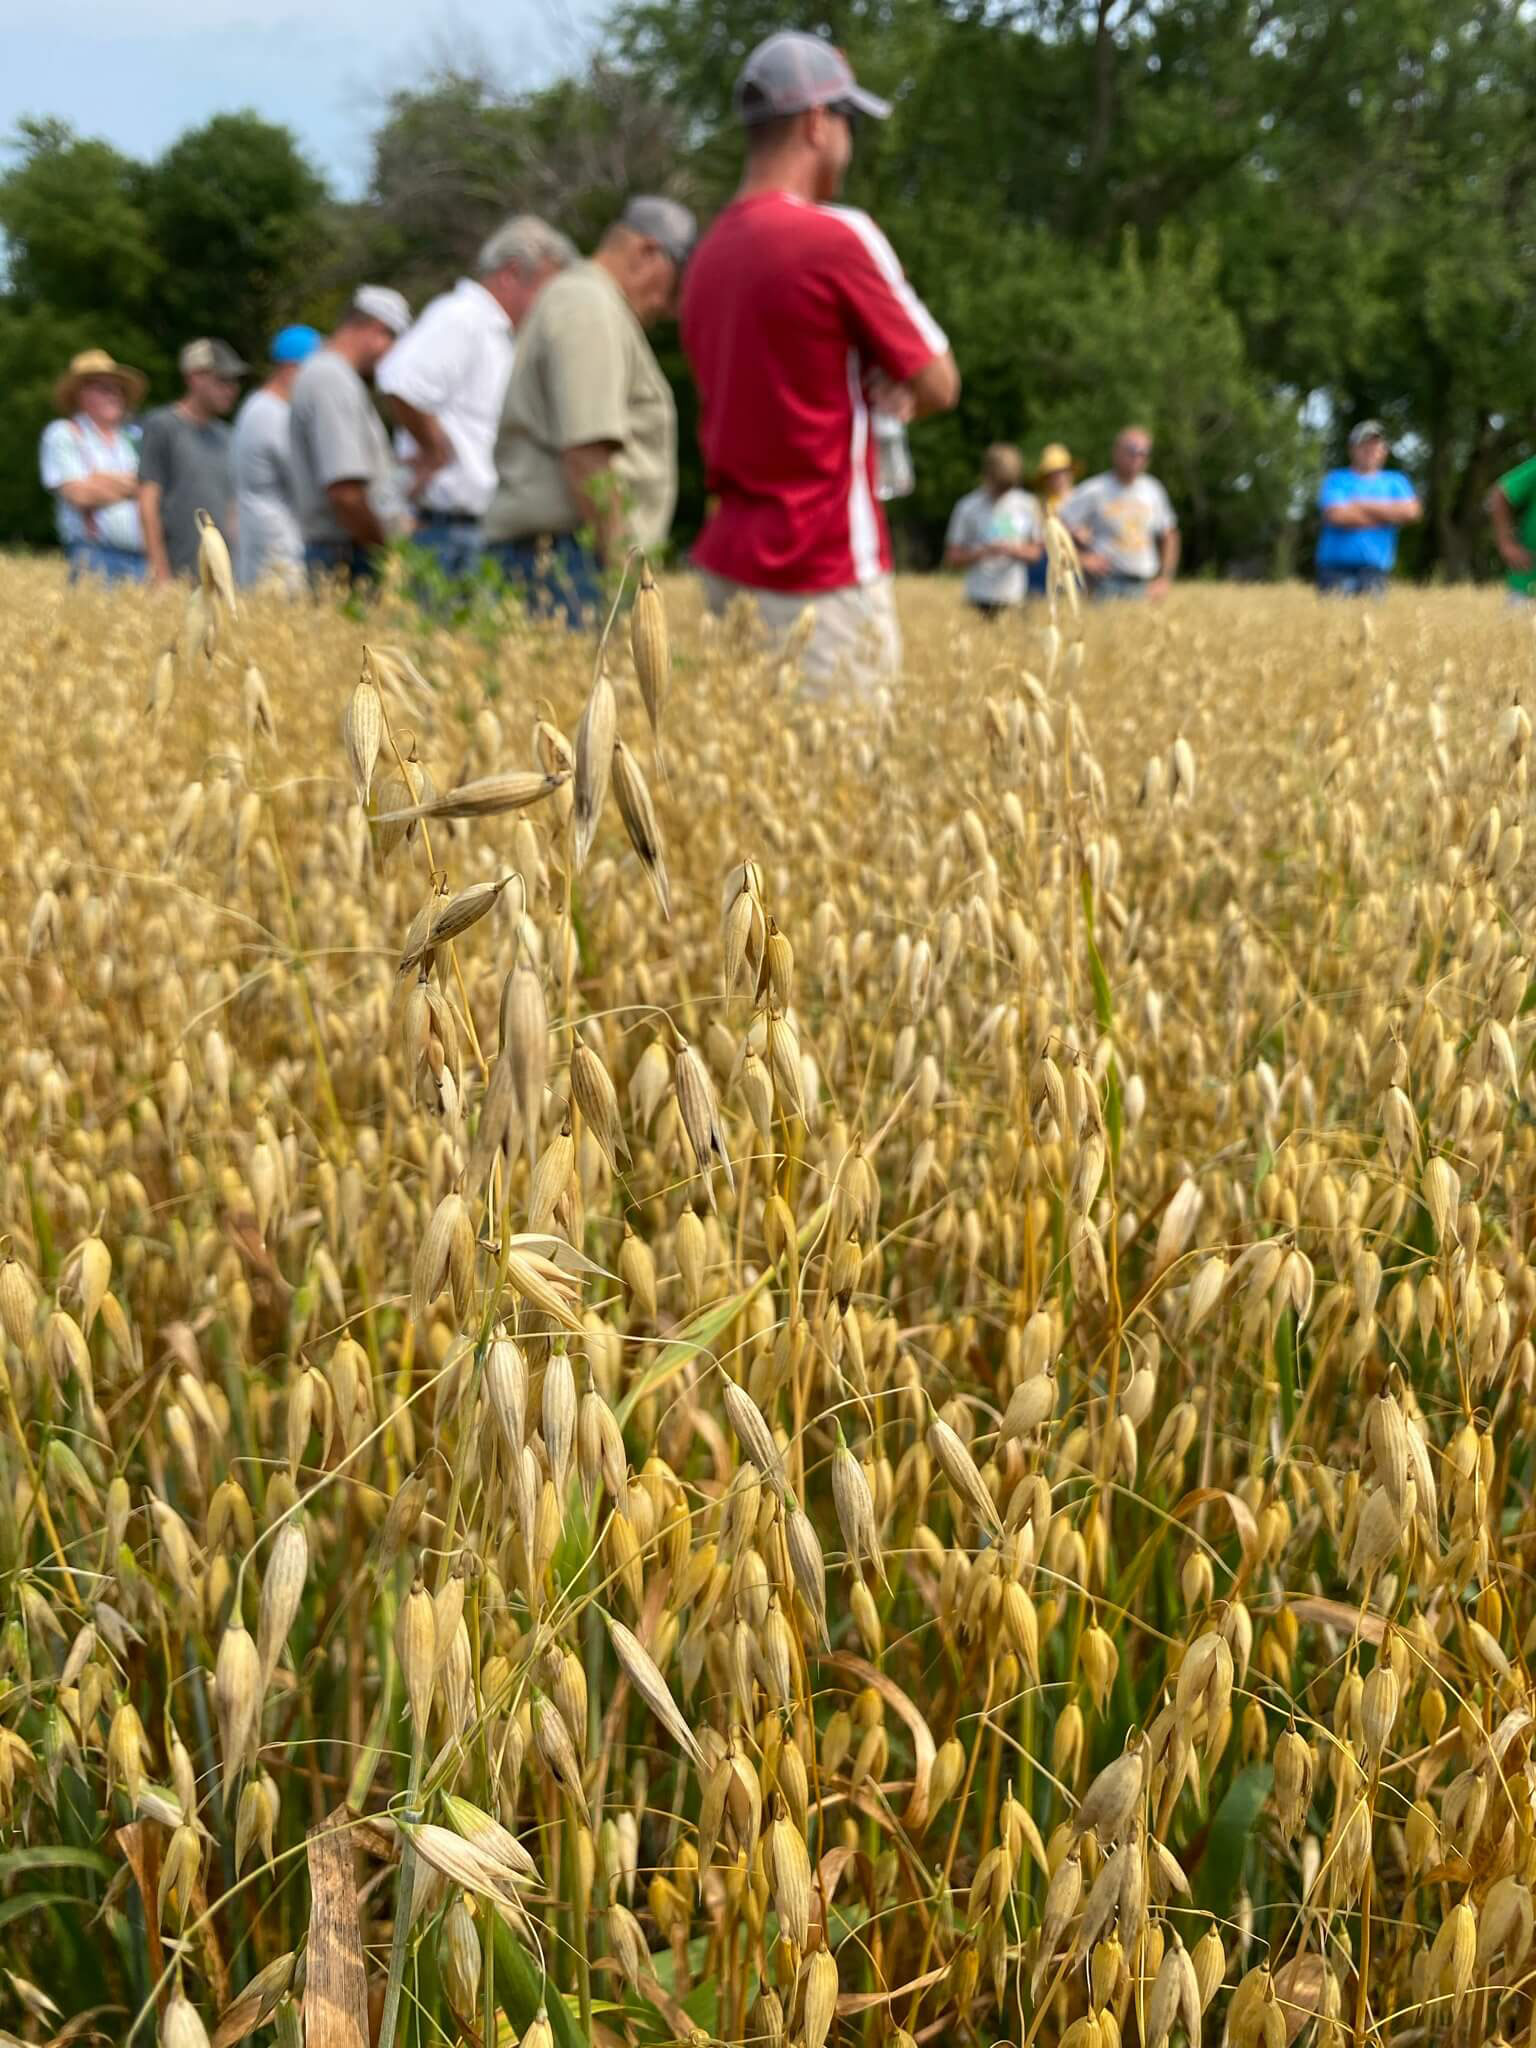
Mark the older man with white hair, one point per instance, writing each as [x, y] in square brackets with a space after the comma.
[443, 384]
[586, 456]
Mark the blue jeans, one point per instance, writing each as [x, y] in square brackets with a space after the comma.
[1113, 584]
[98, 558]
[1350, 579]
[557, 577]
[454, 544]
[348, 559]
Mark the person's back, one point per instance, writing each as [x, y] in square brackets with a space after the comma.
[800, 329]
[335, 432]
[786, 307]
[267, 538]
[584, 373]
[267, 531]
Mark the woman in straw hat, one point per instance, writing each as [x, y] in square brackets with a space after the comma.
[90, 465]
[1052, 482]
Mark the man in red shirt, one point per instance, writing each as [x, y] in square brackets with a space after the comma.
[797, 321]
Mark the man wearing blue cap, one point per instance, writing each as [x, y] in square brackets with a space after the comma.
[268, 543]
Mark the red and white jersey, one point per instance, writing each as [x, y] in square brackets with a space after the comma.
[787, 307]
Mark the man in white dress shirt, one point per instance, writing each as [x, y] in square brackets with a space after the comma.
[444, 382]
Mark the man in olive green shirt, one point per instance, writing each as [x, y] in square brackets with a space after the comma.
[1512, 509]
[586, 455]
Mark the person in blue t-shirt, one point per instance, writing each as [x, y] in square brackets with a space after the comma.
[1362, 508]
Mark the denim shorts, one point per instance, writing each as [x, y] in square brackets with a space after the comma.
[328, 559]
[98, 558]
[556, 577]
[1350, 579]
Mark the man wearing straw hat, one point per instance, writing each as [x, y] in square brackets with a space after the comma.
[90, 466]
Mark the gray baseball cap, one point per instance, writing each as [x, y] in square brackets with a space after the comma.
[666, 221]
[216, 356]
[792, 72]
[1366, 430]
[383, 303]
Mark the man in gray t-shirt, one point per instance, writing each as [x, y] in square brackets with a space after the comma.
[1125, 525]
[343, 471]
[184, 463]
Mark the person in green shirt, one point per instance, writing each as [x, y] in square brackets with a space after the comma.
[1512, 509]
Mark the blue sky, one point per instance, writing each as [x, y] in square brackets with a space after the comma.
[138, 72]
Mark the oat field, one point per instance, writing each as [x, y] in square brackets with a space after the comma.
[682, 1366]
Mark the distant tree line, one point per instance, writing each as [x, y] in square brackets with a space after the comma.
[1247, 222]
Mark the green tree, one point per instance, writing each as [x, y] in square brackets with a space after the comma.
[1355, 179]
[81, 272]
[239, 223]
[221, 236]
[454, 157]
[76, 231]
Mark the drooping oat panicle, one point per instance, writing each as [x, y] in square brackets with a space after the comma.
[647, 1680]
[256, 701]
[525, 1047]
[464, 1863]
[959, 1468]
[819, 1997]
[362, 733]
[594, 1094]
[181, 2024]
[649, 647]
[753, 1433]
[559, 1417]
[594, 763]
[492, 796]
[18, 1303]
[1112, 1799]
[808, 1566]
[639, 815]
[282, 1588]
[700, 1112]
[555, 1747]
[162, 684]
[237, 1691]
[506, 1386]
[637, 1270]
[417, 1642]
[542, 1281]
[855, 1509]
[446, 1258]
[485, 1833]
[215, 570]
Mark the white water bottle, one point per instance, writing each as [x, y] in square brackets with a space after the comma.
[894, 477]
